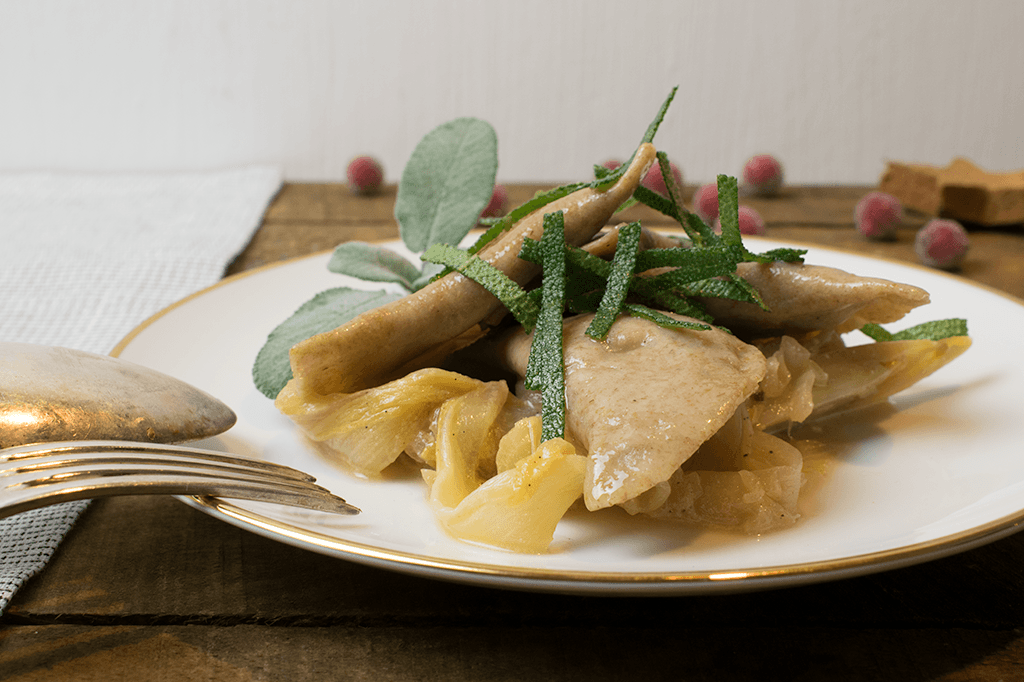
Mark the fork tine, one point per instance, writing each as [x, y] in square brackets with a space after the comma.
[35, 476]
[50, 454]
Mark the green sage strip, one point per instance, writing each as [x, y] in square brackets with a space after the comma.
[545, 370]
[696, 229]
[784, 254]
[517, 214]
[588, 274]
[618, 281]
[607, 179]
[512, 296]
[729, 210]
[690, 265]
[700, 233]
[670, 180]
[661, 319]
[931, 331]
[582, 262]
[731, 286]
[584, 286]
[602, 181]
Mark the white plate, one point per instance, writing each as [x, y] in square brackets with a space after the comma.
[942, 473]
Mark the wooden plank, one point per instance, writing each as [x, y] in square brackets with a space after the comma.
[280, 241]
[329, 202]
[155, 560]
[611, 651]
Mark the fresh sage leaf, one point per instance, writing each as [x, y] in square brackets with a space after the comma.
[447, 183]
[325, 311]
[373, 263]
[427, 275]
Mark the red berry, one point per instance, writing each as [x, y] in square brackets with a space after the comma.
[365, 175]
[655, 181]
[942, 244]
[762, 175]
[751, 222]
[877, 216]
[705, 202]
[496, 207]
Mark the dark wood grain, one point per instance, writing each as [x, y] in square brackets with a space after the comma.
[170, 564]
[149, 588]
[508, 653]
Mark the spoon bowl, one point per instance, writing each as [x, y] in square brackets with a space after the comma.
[52, 394]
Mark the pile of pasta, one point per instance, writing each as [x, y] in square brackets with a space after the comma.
[705, 445]
[665, 422]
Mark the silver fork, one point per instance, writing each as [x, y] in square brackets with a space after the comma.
[33, 476]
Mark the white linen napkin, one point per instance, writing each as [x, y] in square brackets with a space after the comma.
[85, 258]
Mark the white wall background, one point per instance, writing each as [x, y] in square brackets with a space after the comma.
[833, 87]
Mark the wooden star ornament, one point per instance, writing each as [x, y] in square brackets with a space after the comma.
[961, 190]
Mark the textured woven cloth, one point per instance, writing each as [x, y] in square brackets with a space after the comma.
[84, 259]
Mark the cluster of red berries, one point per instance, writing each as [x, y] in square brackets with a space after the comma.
[762, 177]
[941, 243]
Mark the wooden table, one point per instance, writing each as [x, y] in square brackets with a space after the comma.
[150, 589]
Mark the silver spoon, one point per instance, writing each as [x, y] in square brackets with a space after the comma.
[54, 394]
[75, 425]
